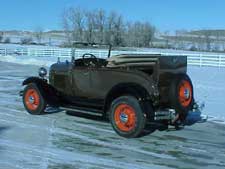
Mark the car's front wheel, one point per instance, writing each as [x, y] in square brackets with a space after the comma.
[127, 117]
[33, 101]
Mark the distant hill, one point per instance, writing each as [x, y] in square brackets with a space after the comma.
[211, 32]
[52, 37]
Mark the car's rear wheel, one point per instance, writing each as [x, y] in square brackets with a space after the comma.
[33, 101]
[127, 117]
[181, 95]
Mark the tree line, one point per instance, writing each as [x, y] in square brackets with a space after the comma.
[101, 27]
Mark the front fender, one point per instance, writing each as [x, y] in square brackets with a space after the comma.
[35, 80]
[49, 93]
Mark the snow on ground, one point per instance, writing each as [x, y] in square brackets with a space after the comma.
[59, 140]
[157, 50]
[154, 50]
[209, 88]
[38, 61]
[14, 46]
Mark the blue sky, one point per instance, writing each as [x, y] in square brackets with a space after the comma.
[164, 14]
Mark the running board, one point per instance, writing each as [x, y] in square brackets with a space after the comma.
[75, 109]
[169, 114]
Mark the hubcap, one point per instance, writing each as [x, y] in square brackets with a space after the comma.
[185, 93]
[125, 117]
[31, 99]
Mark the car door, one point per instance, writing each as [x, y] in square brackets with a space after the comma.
[81, 82]
[100, 82]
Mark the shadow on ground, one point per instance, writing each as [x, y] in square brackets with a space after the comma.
[193, 117]
[88, 116]
[150, 128]
[2, 130]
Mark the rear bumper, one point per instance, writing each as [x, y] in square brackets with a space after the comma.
[194, 116]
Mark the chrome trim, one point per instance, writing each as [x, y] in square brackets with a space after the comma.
[168, 114]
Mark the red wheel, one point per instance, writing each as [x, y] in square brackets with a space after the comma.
[185, 93]
[33, 100]
[127, 117]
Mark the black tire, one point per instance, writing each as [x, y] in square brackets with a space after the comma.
[150, 125]
[174, 95]
[39, 105]
[138, 124]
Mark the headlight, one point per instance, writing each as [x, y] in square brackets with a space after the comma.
[42, 72]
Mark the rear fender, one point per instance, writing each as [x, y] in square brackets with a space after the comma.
[49, 93]
[126, 89]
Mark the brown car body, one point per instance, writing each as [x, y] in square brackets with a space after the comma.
[95, 86]
[155, 85]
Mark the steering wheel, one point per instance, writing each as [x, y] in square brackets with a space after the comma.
[93, 62]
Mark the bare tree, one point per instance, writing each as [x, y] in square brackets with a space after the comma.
[67, 26]
[218, 41]
[139, 34]
[110, 27]
[39, 34]
[208, 40]
[26, 40]
[90, 26]
[97, 26]
[135, 33]
[181, 39]
[77, 20]
[100, 24]
[73, 23]
[200, 42]
[128, 37]
[1, 36]
[118, 31]
[7, 40]
[166, 35]
[178, 40]
[148, 34]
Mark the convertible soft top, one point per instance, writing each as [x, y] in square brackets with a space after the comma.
[164, 62]
[133, 60]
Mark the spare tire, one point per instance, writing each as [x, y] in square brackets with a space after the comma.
[181, 95]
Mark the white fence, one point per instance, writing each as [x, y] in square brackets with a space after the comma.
[195, 59]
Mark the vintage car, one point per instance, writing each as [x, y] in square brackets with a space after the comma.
[134, 91]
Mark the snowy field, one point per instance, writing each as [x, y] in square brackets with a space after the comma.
[60, 140]
[209, 88]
